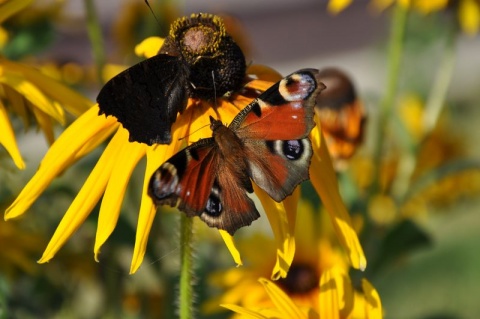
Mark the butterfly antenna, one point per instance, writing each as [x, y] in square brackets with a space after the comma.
[151, 10]
[201, 127]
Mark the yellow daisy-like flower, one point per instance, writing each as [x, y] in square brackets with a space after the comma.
[27, 92]
[336, 297]
[111, 174]
[315, 256]
[468, 11]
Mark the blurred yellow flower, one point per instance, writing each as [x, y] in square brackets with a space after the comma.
[28, 93]
[468, 11]
[315, 256]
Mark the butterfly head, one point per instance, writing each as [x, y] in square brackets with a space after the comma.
[215, 124]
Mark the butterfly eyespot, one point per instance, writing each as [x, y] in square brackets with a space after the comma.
[293, 149]
[297, 86]
[214, 206]
[164, 181]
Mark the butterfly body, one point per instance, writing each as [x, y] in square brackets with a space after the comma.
[267, 143]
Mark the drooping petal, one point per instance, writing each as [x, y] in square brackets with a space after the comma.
[70, 100]
[328, 296]
[86, 198]
[325, 183]
[281, 300]
[229, 242]
[281, 217]
[7, 138]
[44, 121]
[75, 141]
[156, 155]
[128, 157]
[31, 92]
[372, 298]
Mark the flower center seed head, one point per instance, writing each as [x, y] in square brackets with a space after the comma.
[301, 279]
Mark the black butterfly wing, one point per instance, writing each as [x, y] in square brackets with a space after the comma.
[146, 98]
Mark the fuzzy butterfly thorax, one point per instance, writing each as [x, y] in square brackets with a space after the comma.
[216, 63]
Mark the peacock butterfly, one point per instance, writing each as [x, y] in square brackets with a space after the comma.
[197, 60]
[267, 142]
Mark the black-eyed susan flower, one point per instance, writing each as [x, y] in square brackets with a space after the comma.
[29, 94]
[316, 286]
[109, 178]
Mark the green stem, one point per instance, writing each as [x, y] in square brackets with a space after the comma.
[96, 39]
[395, 50]
[433, 108]
[186, 268]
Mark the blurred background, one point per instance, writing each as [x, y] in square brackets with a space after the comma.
[418, 222]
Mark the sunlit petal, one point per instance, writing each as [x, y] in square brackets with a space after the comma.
[372, 298]
[149, 47]
[69, 147]
[325, 183]
[86, 199]
[128, 157]
[156, 155]
[229, 242]
[7, 138]
[282, 220]
[329, 296]
[281, 300]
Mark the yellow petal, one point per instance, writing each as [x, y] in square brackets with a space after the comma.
[281, 300]
[86, 199]
[469, 16]
[325, 183]
[264, 73]
[374, 305]
[9, 8]
[156, 155]
[328, 295]
[246, 313]
[69, 147]
[128, 157]
[149, 47]
[228, 239]
[32, 93]
[45, 123]
[7, 138]
[281, 217]
[336, 6]
[70, 100]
